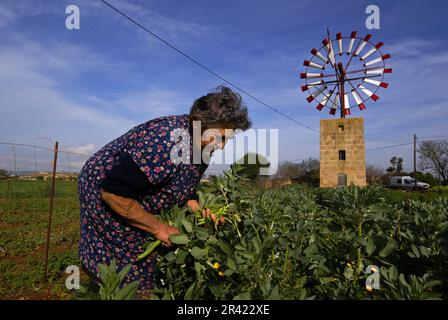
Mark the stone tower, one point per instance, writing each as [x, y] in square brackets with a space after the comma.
[342, 152]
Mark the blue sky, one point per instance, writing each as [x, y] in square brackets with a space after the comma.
[86, 87]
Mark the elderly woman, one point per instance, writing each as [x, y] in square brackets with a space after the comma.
[124, 185]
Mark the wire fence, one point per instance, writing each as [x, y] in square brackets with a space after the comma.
[35, 183]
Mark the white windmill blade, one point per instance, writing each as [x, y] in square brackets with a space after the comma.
[368, 93]
[339, 38]
[311, 85]
[346, 105]
[319, 55]
[329, 49]
[362, 44]
[310, 75]
[376, 83]
[312, 64]
[371, 51]
[378, 71]
[334, 105]
[377, 60]
[315, 94]
[324, 101]
[352, 41]
[358, 100]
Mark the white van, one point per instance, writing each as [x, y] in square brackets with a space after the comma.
[406, 182]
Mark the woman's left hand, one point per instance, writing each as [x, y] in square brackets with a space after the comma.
[206, 213]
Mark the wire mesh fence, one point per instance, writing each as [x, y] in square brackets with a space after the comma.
[27, 198]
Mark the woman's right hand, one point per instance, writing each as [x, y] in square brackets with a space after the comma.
[164, 232]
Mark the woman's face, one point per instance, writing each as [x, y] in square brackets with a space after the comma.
[216, 138]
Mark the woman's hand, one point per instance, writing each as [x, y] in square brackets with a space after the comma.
[164, 232]
[206, 213]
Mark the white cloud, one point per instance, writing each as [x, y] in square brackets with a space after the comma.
[85, 150]
[35, 104]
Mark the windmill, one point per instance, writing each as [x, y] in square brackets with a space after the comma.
[345, 73]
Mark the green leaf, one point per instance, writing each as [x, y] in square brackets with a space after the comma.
[187, 225]
[197, 253]
[424, 251]
[243, 296]
[231, 264]
[190, 291]
[228, 272]
[274, 294]
[387, 250]
[122, 274]
[432, 283]
[415, 251]
[201, 233]
[370, 248]
[179, 239]
[393, 273]
[181, 256]
[198, 267]
[128, 291]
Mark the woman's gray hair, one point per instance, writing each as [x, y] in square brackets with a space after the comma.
[223, 107]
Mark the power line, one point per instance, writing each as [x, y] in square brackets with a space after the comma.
[204, 67]
[404, 144]
[391, 146]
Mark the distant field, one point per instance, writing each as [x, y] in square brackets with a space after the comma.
[23, 224]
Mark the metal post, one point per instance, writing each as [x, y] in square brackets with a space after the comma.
[415, 162]
[50, 212]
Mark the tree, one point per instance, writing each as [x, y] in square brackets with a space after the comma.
[425, 177]
[249, 169]
[309, 171]
[306, 171]
[433, 156]
[287, 170]
[3, 174]
[374, 174]
[396, 165]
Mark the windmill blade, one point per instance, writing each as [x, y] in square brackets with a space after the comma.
[376, 83]
[352, 41]
[371, 51]
[362, 44]
[324, 101]
[315, 94]
[311, 85]
[346, 105]
[329, 49]
[358, 100]
[309, 75]
[377, 60]
[339, 38]
[311, 64]
[334, 105]
[378, 71]
[319, 55]
[368, 93]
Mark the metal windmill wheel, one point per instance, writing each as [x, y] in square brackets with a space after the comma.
[346, 77]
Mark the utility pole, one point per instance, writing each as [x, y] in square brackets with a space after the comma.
[415, 162]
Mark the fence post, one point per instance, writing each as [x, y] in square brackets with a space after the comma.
[50, 211]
